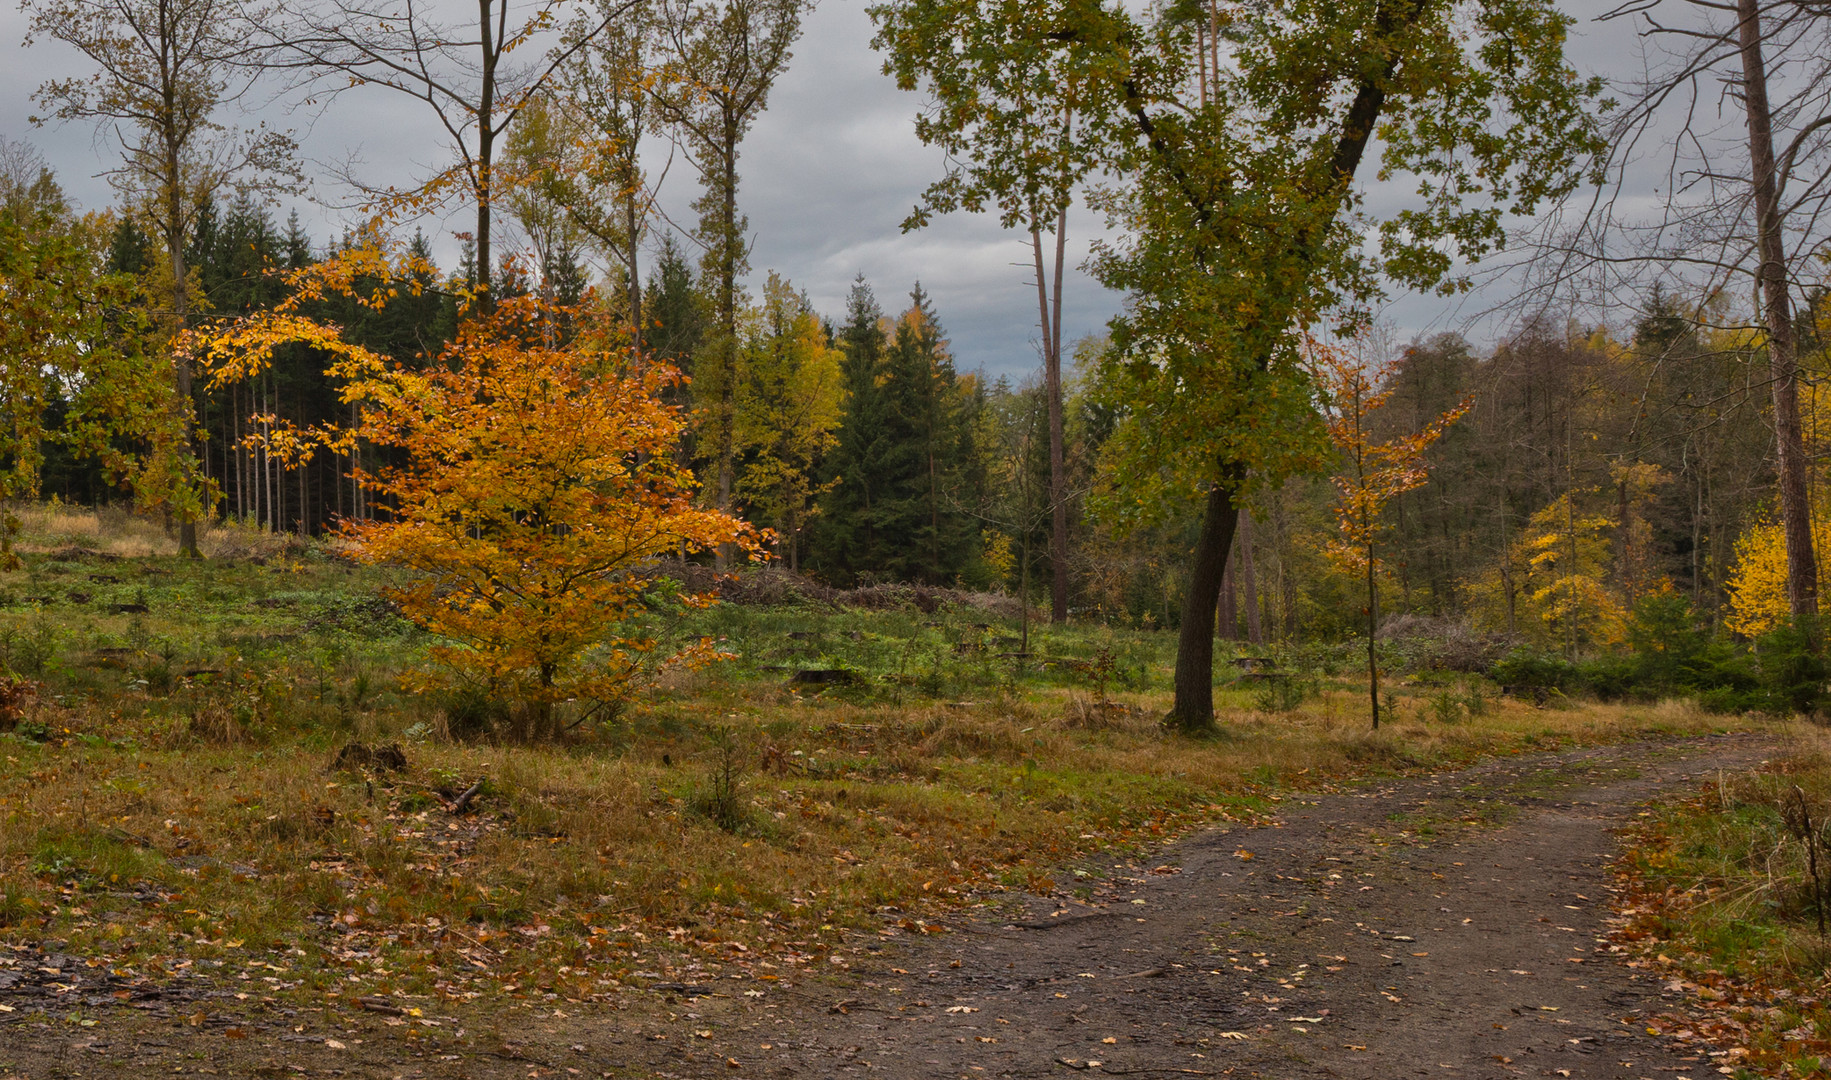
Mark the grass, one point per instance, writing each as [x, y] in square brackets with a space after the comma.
[170, 803]
[1722, 898]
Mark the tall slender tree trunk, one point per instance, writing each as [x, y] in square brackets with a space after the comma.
[1050, 311]
[727, 318]
[358, 509]
[1777, 307]
[1023, 598]
[1373, 625]
[1249, 580]
[272, 470]
[1228, 612]
[632, 221]
[486, 143]
[1506, 565]
[173, 227]
[241, 455]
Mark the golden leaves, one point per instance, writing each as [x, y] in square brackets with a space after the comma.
[1374, 473]
[533, 479]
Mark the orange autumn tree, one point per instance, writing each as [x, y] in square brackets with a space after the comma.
[533, 480]
[1372, 473]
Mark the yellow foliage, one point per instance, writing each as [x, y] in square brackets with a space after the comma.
[1000, 554]
[787, 407]
[533, 480]
[1555, 575]
[1758, 585]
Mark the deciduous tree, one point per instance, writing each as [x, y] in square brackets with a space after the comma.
[163, 71]
[1235, 156]
[462, 71]
[716, 64]
[80, 370]
[1373, 473]
[530, 483]
[1002, 107]
[787, 408]
[1742, 206]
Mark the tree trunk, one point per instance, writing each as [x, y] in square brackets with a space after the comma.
[173, 227]
[631, 218]
[1192, 710]
[1249, 581]
[1373, 625]
[1506, 566]
[1051, 323]
[727, 317]
[241, 455]
[1228, 610]
[1023, 598]
[1777, 307]
[486, 145]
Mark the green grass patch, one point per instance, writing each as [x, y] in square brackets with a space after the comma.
[1723, 898]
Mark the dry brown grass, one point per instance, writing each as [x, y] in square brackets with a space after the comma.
[842, 810]
[206, 822]
[119, 532]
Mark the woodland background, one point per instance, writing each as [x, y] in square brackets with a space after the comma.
[1601, 462]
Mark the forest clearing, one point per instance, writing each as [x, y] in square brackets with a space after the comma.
[234, 842]
[1321, 575]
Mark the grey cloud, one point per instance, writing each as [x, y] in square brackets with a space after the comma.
[828, 175]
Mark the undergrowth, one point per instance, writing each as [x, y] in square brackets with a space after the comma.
[1726, 893]
[172, 799]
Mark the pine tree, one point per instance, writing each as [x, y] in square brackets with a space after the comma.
[846, 540]
[926, 464]
[676, 319]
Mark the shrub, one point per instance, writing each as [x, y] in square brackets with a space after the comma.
[1666, 640]
[1522, 667]
[1792, 666]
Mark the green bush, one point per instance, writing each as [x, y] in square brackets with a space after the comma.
[1667, 641]
[1792, 666]
[1610, 677]
[1523, 667]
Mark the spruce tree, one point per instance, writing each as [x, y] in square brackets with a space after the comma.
[905, 459]
[927, 419]
[298, 245]
[129, 248]
[846, 541]
[675, 323]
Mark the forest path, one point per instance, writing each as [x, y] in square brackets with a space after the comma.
[1445, 926]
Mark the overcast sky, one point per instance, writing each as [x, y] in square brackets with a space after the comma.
[827, 176]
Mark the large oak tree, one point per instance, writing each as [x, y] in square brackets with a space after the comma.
[1236, 160]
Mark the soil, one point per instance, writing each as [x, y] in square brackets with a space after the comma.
[1451, 925]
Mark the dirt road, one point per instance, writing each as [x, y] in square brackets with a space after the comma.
[1444, 926]
[1371, 935]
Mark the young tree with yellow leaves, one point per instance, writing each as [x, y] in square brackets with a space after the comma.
[787, 410]
[533, 482]
[1759, 599]
[1372, 473]
[1566, 552]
